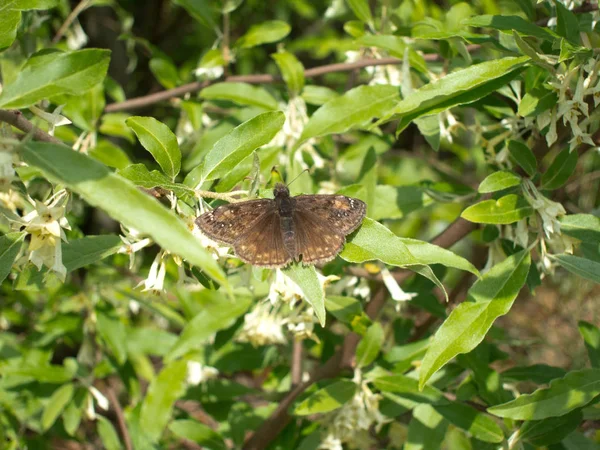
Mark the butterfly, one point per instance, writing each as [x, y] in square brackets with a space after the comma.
[274, 232]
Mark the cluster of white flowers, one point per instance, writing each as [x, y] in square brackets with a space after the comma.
[262, 326]
[572, 107]
[350, 424]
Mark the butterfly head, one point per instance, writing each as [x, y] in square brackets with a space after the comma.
[281, 191]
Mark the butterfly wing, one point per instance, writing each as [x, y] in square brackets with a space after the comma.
[262, 245]
[227, 223]
[316, 242]
[342, 214]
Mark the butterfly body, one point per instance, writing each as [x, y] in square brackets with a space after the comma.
[274, 232]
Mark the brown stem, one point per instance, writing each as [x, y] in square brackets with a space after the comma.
[17, 120]
[344, 357]
[259, 79]
[114, 401]
[296, 367]
[69, 20]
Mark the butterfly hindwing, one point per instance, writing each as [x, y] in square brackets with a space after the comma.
[316, 242]
[226, 223]
[262, 245]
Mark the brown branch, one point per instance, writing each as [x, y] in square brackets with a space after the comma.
[260, 79]
[69, 20]
[296, 366]
[114, 401]
[344, 357]
[17, 120]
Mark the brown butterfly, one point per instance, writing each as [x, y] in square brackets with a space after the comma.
[274, 232]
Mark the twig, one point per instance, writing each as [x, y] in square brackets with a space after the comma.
[296, 367]
[344, 357]
[114, 401]
[69, 20]
[17, 120]
[260, 79]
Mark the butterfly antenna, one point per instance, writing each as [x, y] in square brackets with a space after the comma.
[297, 176]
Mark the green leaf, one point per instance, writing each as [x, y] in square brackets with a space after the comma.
[199, 433]
[121, 200]
[291, 70]
[318, 95]
[160, 141]
[523, 156]
[541, 433]
[585, 268]
[537, 373]
[393, 202]
[584, 227]
[140, 176]
[10, 244]
[264, 33]
[327, 399]
[426, 429]
[164, 390]
[74, 411]
[498, 181]
[57, 402]
[217, 313]
[370, 345]
[567, 24]
[201, 10]
[109, 154]
[560, 170]
[460, 87]
[112, 331]
[355, 108]
[489, 298]
[510, 24]
[591, 337]
[241, 142]
[575, 390]
[479, 425]
[373, 241]
[9, 23]
[427, 253]
[165, 72]
[240, 93]
[536, 102]
[348, 310]
[307, 280]
[107, 433]
[361, 10]
[407, 389]
[43, 373]
[50, 73]
[88, 250]
[508, 209]
[395, 46]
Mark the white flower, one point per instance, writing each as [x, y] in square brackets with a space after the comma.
[396, 292]
[284, 289]
[46, 224]
[262, 326]
[302, 324]
[156, 276]
[7, 171]
[296, 117]
[100, 398]
[55, 119]
[198, 373]
[209, 73]
[547, 210]
[132, 243]
[351, 423]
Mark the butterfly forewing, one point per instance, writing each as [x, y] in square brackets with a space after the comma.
[227, 223]
[262, 245]
[338, 212]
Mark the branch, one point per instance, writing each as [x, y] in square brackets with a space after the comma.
[69, 20]
[114, 401]
[260, 79]
[344, 357]
[17, 120]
